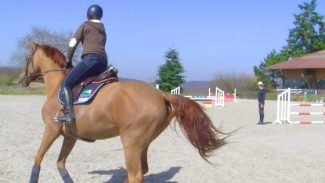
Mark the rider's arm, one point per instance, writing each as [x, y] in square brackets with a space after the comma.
[77, 37]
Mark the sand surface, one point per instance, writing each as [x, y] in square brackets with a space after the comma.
[255, 153]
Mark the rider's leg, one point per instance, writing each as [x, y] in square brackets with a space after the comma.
[68, 109]
[91, 65]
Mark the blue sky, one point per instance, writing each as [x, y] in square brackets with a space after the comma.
[211, 35]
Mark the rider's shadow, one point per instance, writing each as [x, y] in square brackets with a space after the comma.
[119, 175]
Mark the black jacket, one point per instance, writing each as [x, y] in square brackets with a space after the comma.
[261, 96]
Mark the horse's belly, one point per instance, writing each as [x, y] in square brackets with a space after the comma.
[104, 133]
[96, 131]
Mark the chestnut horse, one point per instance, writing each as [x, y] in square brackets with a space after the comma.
[136, 111]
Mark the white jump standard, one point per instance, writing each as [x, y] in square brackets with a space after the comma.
[283, 110]
[176, 91]
[220, 98]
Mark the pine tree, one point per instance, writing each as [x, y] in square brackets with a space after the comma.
[308, 35]
[170, 73]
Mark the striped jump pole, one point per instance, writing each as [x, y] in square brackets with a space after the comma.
[307, 113]
[309, 105]
[284, 106]
[207, 102]
[308, 122]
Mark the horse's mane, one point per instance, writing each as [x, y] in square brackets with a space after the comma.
[55, 55]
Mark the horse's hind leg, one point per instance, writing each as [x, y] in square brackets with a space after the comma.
[49, 136]
[133, 165]
[135, 149]
[138, 171]
[144, 161]
[66, 148]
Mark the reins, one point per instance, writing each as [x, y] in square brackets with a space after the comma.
[30, 60]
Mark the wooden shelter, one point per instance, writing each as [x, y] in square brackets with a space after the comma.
[311, 66]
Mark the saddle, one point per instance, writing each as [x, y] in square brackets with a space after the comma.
[87, 89]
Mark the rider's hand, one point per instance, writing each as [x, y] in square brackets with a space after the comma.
[68, 65]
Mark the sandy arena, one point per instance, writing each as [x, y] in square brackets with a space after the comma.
[255, 153]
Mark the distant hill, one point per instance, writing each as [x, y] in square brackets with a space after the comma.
[14, 72]
[11, 71]
[191, 87]
[195, 88]
[195, 85]
[128, 79]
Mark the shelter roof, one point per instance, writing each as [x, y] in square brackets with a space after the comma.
[311, 61]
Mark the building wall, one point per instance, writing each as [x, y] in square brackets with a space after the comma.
[296, 74]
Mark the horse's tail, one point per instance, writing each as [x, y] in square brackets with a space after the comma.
[195, 124]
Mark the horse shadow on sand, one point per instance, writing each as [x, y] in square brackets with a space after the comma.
[119, 175]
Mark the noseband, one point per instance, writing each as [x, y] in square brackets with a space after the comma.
[30, 61]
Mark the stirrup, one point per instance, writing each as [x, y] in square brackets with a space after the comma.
[113, 69]
[61, 120]
[56, 117]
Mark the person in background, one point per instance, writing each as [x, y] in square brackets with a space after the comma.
[261, 101]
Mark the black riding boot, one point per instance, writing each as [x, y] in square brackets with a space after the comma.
[68, 110]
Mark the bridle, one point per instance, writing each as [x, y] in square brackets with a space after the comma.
[30, 61]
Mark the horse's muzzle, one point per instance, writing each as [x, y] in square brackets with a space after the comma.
[23, 82]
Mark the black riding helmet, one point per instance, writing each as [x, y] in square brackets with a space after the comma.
[95, 12]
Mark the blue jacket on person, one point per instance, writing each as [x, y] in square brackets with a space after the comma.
[261, 96]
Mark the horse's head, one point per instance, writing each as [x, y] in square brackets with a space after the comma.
[31, 66]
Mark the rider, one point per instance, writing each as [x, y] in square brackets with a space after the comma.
[94, 60]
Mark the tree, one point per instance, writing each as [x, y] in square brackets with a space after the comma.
[228, 81]
[306, 37]
[170, 73]
[269, 77]
[59, 40]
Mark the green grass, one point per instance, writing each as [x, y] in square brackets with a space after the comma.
[18, 93]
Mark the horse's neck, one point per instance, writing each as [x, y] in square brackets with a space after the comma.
[52, 82]
[52, 79]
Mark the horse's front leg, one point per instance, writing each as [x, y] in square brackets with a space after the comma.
[66, 148]
[51, 133]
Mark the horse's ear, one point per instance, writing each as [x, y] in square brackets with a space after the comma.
[32, 45]
[40, 43]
